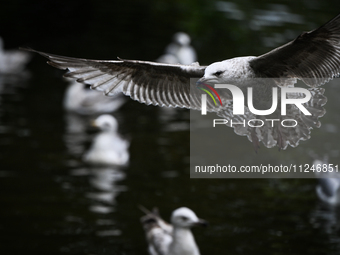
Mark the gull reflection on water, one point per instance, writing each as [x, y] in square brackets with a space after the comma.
[106, 190]
[325, 218]
[102, 196]
[76, 136]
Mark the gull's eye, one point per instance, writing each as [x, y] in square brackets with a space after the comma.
[183, 218]
[218, 73]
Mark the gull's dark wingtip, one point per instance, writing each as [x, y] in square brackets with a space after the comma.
[46, 55]
[27, 49]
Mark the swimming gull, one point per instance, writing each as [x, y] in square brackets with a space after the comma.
[107, 148]
[85, 101]
[12, 61]
[313, 57]
[175, 239]
[179, 51]
[328, 188]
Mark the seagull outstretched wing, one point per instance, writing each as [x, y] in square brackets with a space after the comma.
[147, 82]
[313, 57]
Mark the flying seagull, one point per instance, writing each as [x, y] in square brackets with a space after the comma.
[313, 57]
[175, 239]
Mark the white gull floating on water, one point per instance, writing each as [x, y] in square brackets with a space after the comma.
[85, 101]
[175, 239]
[108, 148]
[12, 61]
[313, 57]
[179, 51]
[328, 188]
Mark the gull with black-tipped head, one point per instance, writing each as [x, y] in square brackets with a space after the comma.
[171, 239]
[313, 57]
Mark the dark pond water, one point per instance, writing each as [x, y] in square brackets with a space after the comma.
[51, 202]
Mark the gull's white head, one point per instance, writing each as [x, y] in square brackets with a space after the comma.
[214, 73]
[185, 218]
[106, 122]
[182, 38]
[228, 71]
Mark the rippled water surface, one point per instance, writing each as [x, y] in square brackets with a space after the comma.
[51, 202]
